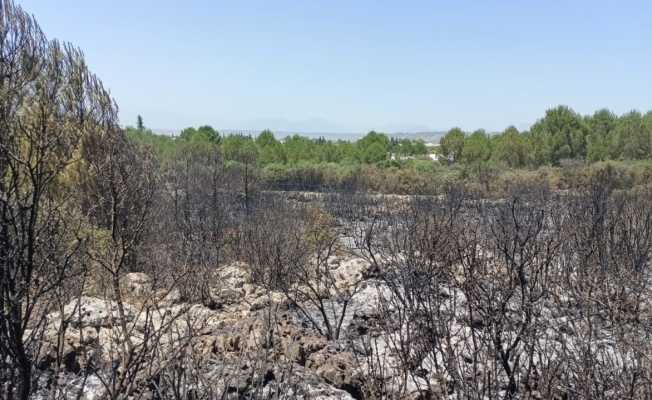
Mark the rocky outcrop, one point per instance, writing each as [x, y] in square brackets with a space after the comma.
[338, 368]
[257, 336]
[136, 285]
[92, 312]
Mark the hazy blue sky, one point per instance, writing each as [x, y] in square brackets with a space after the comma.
[353, 66]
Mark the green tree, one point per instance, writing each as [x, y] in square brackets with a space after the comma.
[402, 147]
[266, 138]
[270, 149]
[647, 119]
[373, 147]
[347, 151]
[242, 153]
[452, 144]
[511, 148]
[204, 133]
[298, 149]
[419, 148]
[407, 147]
[477, 148]
[139, 123]
[563, 132]
[373, 153]
[164, 146]
[601, 126]
[539, 147]
[647, 123]
[239, 148]
[632, 137]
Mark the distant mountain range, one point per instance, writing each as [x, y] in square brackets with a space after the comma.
[428, 137]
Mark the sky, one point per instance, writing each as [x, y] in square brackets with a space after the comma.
[354, 66]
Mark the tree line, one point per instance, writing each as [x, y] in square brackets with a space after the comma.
[562, 148]
[266, 149]
[560, 136]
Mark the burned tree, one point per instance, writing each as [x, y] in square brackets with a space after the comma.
[201, 208]
[49, 101]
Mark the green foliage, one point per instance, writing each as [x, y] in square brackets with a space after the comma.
[373, 148]
[511, 148]
[162, 145]
[270, 150]
[240, 148]
[373, 153]
[299, 148]
[477, 147]
[377, 162]
[601, 126]
[452, 145]
[204, 133]
[564, 135]
[419, 147]
[632, 137]
[407, 147]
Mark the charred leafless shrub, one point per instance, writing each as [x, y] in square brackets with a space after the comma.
[252, 373]
[506, 263]
[288, 250]
[534, 295]
[272, 243]
[118, 188]
[413, 250]
[603, 291]
[199, 219]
